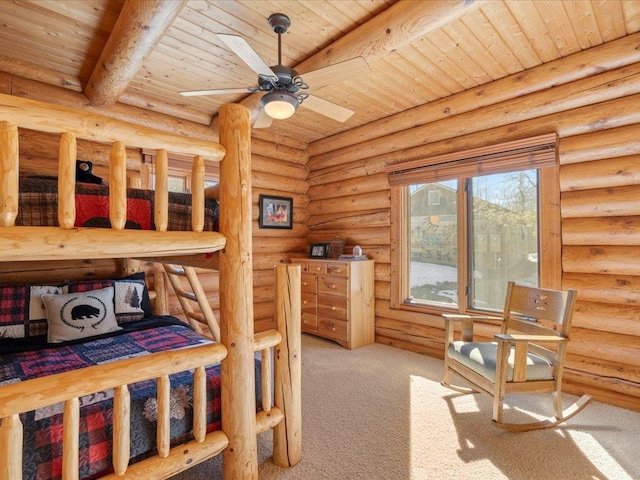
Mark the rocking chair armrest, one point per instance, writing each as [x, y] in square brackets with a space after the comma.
[467, 324]
[514, 338]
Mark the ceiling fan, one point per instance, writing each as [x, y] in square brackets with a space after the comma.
[284, 88]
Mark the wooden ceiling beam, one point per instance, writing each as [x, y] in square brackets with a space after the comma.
[400, 24]
[392, 29]
[24, 69]
[139, 27]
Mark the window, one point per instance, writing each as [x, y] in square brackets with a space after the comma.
[179, 173]
[470, 222]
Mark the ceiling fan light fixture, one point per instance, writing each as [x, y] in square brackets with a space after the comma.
[279, 105]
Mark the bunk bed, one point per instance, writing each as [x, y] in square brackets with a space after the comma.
[209, 351]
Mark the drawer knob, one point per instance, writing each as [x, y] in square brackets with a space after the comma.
[304, 283]
[333, 329]
[333, 308]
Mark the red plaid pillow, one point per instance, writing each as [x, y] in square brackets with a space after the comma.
[22, 312]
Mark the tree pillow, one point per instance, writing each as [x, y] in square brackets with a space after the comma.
[80, 315]
[131, 297]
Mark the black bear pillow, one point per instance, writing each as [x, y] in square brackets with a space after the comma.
[84, 173]
[80, 315]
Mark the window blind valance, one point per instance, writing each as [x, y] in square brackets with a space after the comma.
[528, 153]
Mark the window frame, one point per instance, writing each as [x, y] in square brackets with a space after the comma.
[549, 224]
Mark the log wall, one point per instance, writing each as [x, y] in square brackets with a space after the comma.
[596, 113]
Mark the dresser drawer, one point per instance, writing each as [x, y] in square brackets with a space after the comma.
[317, 267]
[338, 268]
[333, 285]
[334, 329]
[308, 301]
[333, 306]
[308, 283]
[309, 322]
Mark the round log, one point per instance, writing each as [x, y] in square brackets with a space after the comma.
[9, 173]
[615, 260]
[118, 186]
[67, 181]
[351, 203]
[353, 186]
[616, 201]
[287, 435]
[161, 195]
[601, 231]
[236, 296]
[197, 194]
[70, 439]
[121, 429]
[607, 143]
[605, 173]
[613, 289]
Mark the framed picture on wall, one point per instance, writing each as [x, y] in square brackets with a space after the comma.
[318, 250]
[275, 212]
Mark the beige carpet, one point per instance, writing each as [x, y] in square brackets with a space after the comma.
[381, 413]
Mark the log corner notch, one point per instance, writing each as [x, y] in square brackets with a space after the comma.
[139, 27]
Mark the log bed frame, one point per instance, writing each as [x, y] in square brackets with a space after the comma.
[240, 423]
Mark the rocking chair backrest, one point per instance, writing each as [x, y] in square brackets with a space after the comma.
[537, 310]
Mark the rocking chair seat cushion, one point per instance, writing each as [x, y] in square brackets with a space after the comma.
[481, 358]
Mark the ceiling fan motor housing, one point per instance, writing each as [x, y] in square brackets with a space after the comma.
[287, 79]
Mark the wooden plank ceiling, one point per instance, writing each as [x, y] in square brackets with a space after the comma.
[418, 52]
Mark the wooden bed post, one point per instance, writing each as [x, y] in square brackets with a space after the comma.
[236, 296]
[9, 177]
[287, 435]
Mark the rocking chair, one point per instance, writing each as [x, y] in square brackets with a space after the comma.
[527, 355]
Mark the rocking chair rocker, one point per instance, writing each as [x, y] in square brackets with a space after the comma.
[527, 355]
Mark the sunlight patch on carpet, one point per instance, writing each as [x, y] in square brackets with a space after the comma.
[598, 455]
[434, 437]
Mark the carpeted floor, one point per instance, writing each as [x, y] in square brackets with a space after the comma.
[380, 413]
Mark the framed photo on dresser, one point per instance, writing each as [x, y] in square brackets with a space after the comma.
[318, 250]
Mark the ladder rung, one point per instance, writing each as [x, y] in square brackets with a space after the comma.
[173, 270]
[197, 316]
[188, 295]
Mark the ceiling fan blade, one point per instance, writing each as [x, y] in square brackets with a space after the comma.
[263, 120]
[217, 91]
[328, 109]
[247, 54]
[336, 73]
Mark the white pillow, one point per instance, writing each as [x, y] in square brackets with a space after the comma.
[80, 315]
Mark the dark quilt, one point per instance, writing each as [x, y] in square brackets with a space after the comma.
[21, 359]
[38, 206]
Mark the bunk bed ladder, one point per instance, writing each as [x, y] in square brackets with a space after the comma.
[195, 295]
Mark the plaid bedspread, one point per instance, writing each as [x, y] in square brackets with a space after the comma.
[42, 452]
[38, 206]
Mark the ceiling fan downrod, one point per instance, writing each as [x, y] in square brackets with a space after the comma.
[279, 24]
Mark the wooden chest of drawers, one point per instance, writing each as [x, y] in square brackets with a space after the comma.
[338, 300]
